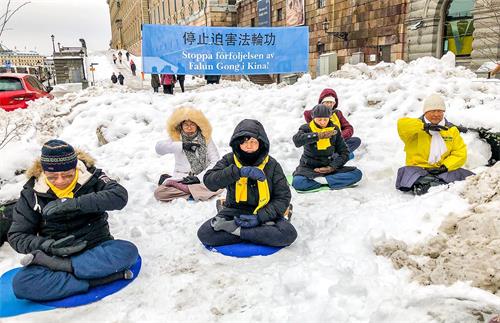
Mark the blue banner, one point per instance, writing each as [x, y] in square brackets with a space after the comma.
[224, 50]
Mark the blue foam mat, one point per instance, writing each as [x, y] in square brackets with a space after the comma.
[244, 250]
[10, 305]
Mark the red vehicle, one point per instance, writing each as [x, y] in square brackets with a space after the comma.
[17, 89]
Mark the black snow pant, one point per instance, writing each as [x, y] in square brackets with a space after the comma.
[168, 89]
[280, 234]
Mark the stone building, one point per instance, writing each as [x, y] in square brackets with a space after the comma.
[21, 58]
[469, 28]
[127, 17]
[69, 65]
[353, 31]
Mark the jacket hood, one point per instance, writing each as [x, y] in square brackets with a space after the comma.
[36, 168]
[186, 113]
[250, 128]
[329, 92]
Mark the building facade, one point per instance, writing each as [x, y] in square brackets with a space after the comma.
[127, 17]
[353, 31]
[21, 58]
[468, 28]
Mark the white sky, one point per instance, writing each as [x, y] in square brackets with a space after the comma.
[68, 20]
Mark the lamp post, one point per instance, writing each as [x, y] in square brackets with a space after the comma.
[53, 45]
[339, 34]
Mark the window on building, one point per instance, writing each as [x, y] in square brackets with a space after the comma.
[321, 3]
[279, 14]
[158, 13]
[459, 27]
[252, 22]
[175, 5]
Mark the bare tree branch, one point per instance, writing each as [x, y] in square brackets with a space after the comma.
[11, 132]
[8, 15]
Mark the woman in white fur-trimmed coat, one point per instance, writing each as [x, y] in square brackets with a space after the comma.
[194, 152]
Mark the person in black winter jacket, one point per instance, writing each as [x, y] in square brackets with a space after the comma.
[324, 156]
[121, 78]
[257, 193]
[114, 79]
[60, 222]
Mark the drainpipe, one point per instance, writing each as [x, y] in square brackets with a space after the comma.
[405, 4]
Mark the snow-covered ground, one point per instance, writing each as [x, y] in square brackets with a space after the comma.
[331, 273]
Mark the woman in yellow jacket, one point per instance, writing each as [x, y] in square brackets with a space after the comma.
[435, 151]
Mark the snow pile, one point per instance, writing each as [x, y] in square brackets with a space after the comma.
[330, 273]
[467, 246]
[444, 67]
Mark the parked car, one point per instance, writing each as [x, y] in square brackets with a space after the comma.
[17, 89]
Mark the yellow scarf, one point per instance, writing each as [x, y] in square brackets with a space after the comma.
[335, 120]
[322, 144]
[242, 187]
[64, 193]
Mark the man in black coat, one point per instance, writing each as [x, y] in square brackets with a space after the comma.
[121, 78]
[324, 156]
[60, 222]
[181, 78]
[257, 193]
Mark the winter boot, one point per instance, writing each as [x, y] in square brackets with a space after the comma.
[54, 263]
[162, 179]
[421, 188]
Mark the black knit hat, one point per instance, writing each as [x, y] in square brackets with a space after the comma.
[58, 156]
[321, 111]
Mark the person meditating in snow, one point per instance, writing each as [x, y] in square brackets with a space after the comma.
[194, 152]
[435, 151]
[60, 222]
[257, 197]
[328, 97]
[324, 156]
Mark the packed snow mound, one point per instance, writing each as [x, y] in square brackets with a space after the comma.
[467, 246]
[442, 67]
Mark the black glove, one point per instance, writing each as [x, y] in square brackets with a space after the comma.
[63, 247]
[462, 129]
[246, 221]
[253, 173]
[189, 180]
[190, 146]
[433, 127]
[61, 206]
[436, 171]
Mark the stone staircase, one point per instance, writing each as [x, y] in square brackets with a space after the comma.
[261, 79]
